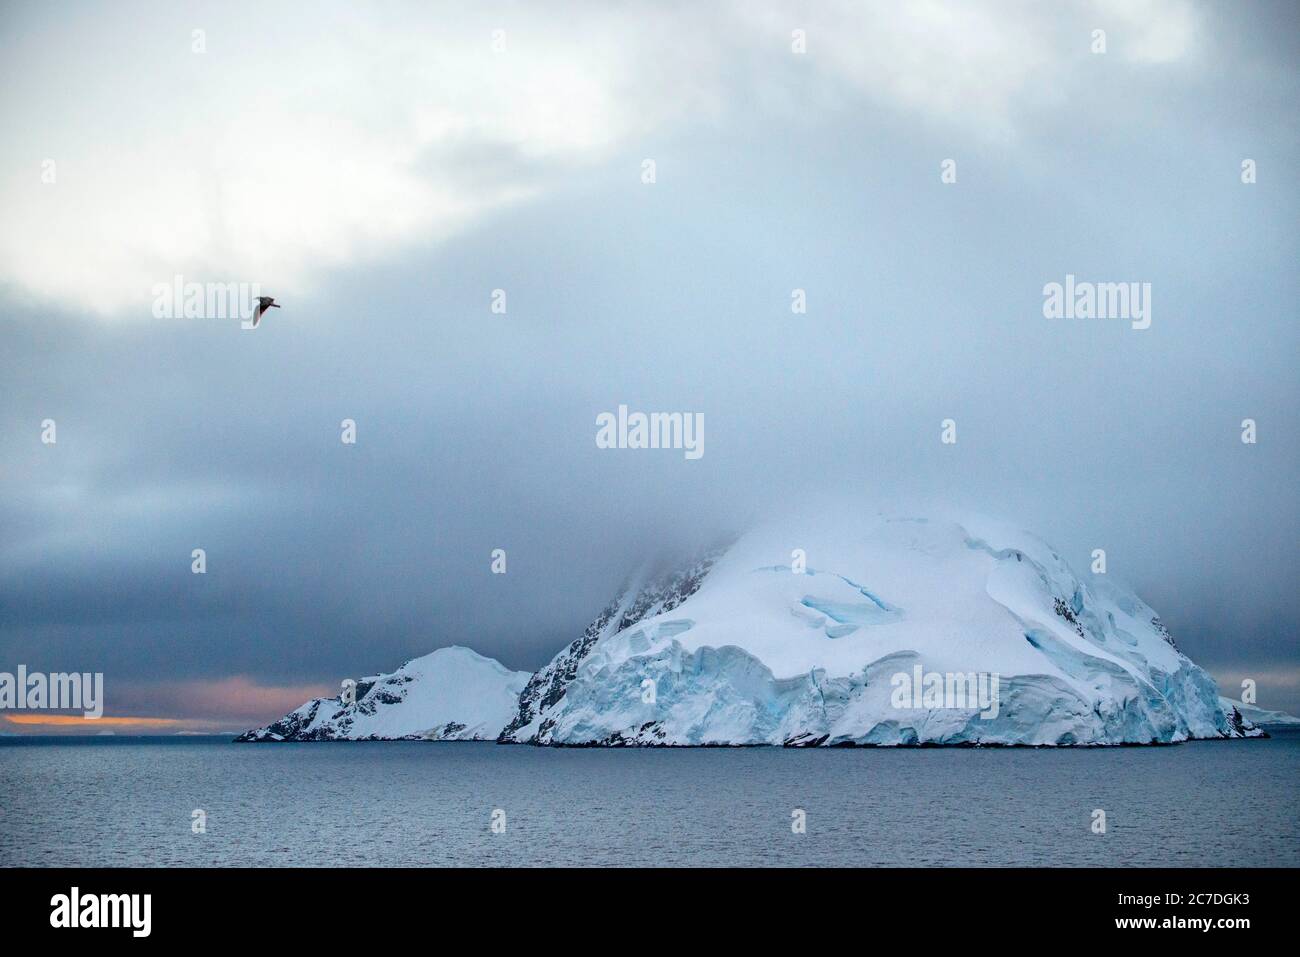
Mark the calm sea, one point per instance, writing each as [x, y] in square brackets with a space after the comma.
[130, 801]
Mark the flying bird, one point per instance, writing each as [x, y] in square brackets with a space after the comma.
[263, 303]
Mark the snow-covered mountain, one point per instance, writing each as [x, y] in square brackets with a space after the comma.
[896, 632]
[453, 694]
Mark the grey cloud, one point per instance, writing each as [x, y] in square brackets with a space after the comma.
[476, 431]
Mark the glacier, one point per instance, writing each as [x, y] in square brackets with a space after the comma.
[747, 647]
[452, 694]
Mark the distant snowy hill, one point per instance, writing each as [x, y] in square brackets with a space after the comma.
[1259, 717]
[885, 639]
[453, 694]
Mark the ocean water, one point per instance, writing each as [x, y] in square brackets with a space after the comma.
[123, 801]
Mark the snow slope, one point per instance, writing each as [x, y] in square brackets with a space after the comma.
[740, 649]
[453, 694]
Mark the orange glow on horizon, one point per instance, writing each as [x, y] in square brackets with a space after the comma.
[67, 720]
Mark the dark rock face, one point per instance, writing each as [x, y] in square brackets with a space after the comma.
[1239, 724]
[1164, 633]
[642, 598]
[1065, 611]
[292, 726]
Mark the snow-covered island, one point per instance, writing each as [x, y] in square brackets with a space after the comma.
[881, 632]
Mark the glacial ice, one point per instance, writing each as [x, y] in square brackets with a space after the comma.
[744, 651]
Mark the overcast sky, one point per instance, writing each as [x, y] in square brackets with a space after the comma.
[382, 172]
